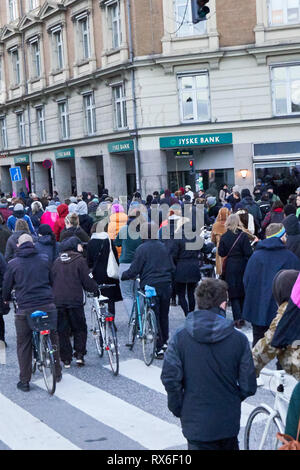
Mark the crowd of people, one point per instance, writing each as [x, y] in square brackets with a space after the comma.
[51, 251]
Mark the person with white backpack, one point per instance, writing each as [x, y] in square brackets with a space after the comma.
[102, 259]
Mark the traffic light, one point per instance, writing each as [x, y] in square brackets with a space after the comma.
[199, 10]
[192, 170]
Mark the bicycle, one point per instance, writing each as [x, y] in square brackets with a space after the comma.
[264, 422]
[103, 329]
[142, 324]
[42, 349]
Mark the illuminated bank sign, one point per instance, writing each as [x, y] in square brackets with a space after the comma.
[65, 153]
[121, 146]
[195, 140]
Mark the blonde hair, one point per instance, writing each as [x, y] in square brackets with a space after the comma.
[72, 219]
[234, 223]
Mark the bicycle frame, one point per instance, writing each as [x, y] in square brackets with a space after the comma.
[140, 314]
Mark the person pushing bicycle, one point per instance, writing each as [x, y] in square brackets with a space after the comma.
[29, 275]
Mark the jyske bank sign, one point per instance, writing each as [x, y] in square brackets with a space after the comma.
[196, 140]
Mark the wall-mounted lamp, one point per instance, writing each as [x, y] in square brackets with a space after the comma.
[244, 173]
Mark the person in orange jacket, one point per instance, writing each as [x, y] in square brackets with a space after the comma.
[117, 220]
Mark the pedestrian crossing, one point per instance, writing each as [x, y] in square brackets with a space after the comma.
[21, 430]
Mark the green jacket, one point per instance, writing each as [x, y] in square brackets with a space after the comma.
[293, 415]
[128, 245]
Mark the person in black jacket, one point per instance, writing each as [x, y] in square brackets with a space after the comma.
[153, 264]
[70, 278]
[4, 308]
[208, 371]
[29, 274]
[73, 229]
[292, 227]
[235, 245]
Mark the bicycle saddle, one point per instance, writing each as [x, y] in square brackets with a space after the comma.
[38, 314]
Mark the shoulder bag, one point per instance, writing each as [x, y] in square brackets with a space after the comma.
[112, 265]
[226, 257]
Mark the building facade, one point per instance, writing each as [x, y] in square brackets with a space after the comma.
[123, 93]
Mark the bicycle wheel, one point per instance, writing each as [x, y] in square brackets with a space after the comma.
[35, 353]
[149, 336]
[112, 346]
[96, 332]
[48, 363]
[132, 328]
[257, 436]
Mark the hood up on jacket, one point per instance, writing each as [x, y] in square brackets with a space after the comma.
[63, 210]
[26, 250]
[208, 326]
[291, 225]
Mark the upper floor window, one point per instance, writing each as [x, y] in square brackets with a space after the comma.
[120, 106]
[89, 113]
[183, 17]
[286, 90]
[115, 24]
[21, 129]
[64, 120]
[40, 117]
[194, 97]
[3, 133]
[57, 48]
[83, 31]
[32, 4]
[12, 10]
[15, 63]
[36, 58]
[284, 12]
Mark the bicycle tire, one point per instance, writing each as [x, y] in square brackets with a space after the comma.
[96, 332]
[254, 431]
[132, 327]
[149, 338]
[48, 363]
[34, 353]
[112, 346]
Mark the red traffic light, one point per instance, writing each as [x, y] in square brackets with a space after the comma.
[191, 163]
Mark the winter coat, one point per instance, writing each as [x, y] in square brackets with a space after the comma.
[36, 219]
[44, 244]
[70, 279]
[270, 257]
[236, 261]
[11, 221]
[153, 263]
[4, 308]
[293, 415]
[186, 262]
[86, 222]
[99, 244]
[50, 216]
[116, 221]
[288, 357]
[292, 227]
[275, 216]
[207, 372]
[11, 245]
[251, 206]
[128, 244]
[5, 212]
[74, 232]
[59, 224]
[265, 208]
[213, 211]
[218, 229]
[4, 236]
[29, 274]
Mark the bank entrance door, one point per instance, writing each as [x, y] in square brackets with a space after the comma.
[284, 176]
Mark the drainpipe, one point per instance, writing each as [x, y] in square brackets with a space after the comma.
[134, 132]
[32, 172]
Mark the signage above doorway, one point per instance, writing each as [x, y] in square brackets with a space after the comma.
[121, 146]
[198, 140]
[65, 153]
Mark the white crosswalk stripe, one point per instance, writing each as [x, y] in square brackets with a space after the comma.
[19, 430]
[142, 427]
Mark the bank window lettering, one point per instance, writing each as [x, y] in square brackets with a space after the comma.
[286, 90]
[194, 98]
[283, 12]
[183, 20]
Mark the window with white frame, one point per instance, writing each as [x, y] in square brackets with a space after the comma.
[115, 24]
[3, 132]
[183, 20]
[2, 85]
[89, 113]
[194, 97]
[32, 4]
[21, 129]
[40, 118]
[120, 106]
[286, 90]
[12, 10]
[15, 63]
[83, 31]
[283, 12]
[35, 58]
[64, 120]
[58, 48]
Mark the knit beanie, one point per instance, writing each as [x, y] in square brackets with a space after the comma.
[18, 207]
[245, 193]
[45, 229]
[69, 244]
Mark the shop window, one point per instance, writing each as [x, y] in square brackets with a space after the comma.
[284, 176]
[183, 20]
[286, 90]
[284, 12]
[194, 97]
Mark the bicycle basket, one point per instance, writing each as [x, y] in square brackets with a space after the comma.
[41, 321]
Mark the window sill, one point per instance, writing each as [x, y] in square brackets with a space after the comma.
[286, 116]
[282, 26]
[111, 52]
[35, 80]
[189, 38]
[15, 87]
[184, 123]
[82, 62]
[57, 72]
